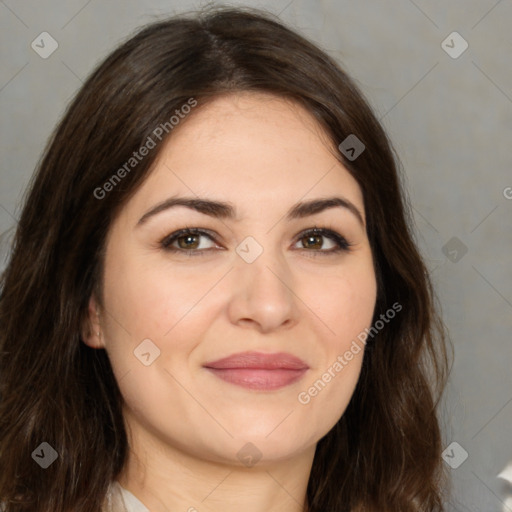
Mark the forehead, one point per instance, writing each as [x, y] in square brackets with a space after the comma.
[256, 151]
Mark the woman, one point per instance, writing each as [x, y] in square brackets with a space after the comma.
[214, 299]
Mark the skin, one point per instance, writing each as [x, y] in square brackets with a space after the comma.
[185, 426]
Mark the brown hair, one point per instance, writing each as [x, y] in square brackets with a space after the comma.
[384, 452]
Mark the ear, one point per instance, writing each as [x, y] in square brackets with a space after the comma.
[91, 329]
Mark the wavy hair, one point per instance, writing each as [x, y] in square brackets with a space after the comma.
[384, 454]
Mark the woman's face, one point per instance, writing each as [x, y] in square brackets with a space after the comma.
[254, 281]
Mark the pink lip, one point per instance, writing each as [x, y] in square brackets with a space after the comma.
[255, 370]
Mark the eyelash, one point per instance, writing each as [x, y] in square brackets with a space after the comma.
[341, 241]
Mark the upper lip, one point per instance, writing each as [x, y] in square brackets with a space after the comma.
[259, 360]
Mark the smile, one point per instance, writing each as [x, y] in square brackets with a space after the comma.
[260, 371]
[260, 379]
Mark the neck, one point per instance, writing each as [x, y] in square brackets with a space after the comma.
[166, 479]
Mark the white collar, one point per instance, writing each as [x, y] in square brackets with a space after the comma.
[122, 500]
[506, 475]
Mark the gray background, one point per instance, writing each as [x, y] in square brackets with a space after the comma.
[449, 118]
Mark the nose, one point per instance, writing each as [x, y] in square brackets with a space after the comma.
[263, 295]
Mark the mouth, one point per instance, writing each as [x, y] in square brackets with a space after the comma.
[259, 371]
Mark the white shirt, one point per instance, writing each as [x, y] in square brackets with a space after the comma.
[506, 475]
[122, 500]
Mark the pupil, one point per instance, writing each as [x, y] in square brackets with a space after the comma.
[187, 238]
[313, 238]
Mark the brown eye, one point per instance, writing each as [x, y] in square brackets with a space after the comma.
[187, 241]
[313, 241]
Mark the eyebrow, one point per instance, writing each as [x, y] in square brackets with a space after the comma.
[225, 210]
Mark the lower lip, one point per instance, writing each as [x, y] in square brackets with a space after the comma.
[252, 378]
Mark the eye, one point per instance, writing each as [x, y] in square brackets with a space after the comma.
[312, 239]
[187, 241]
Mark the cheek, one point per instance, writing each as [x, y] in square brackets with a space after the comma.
[148, 300]
[345, 303]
